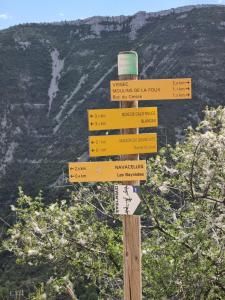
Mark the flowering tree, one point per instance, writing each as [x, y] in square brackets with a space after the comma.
[79, 240]
[184, 250]
[183, 227]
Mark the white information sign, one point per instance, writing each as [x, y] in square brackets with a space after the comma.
[126, 199]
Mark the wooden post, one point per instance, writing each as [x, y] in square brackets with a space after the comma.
[128, 70]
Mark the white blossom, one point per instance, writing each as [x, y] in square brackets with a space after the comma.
[52, 206]
[13, 208]
[32, 252]
[171, 170]
[63, 241]
[164, 188]
[50, 280]
[82, 242]
[37, 228]
[50, 256]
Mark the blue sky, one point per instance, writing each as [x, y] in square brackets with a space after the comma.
[25, 11]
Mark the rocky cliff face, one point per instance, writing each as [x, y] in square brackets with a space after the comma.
[52, 73]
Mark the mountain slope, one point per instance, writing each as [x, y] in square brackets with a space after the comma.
[52, 73]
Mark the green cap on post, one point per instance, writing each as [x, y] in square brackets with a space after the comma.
[128, 63]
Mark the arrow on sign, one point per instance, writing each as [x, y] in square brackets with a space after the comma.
[126, 199]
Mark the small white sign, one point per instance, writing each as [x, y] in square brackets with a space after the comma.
[126, 199]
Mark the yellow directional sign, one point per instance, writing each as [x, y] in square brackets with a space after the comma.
[107, 145]
[107, 171]
[153, 89]
[117, 118]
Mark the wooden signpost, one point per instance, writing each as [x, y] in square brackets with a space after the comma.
[128, 70]
[128, 144]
